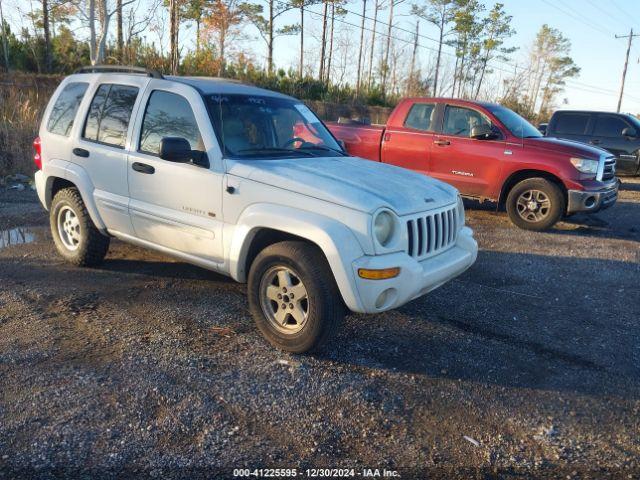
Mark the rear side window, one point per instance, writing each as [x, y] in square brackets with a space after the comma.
[64, 110]
[609, 126]
[572, 123]
[109, 114]
[168, 115]
[421, 116]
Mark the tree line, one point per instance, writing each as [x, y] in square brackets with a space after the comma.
[373, 60]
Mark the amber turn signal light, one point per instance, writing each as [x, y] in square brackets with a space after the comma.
[381, 274]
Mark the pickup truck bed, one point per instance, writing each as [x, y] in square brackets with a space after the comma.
[363, 141]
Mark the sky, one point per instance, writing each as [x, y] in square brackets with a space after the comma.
[590, 25]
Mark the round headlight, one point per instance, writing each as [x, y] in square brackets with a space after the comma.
[383, 226]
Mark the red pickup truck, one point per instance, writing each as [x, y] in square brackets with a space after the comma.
[489, 152]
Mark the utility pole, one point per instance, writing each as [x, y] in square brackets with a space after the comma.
[411, 83]
[626, 63]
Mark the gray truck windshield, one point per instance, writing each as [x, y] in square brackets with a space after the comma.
[263, 127]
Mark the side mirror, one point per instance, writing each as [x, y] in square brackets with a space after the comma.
[629, 132]
[481, 132]
[175, 149]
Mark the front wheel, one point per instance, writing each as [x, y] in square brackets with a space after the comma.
[535, 204]
[293, 296]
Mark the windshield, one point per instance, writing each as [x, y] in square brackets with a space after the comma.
[634, 121]
[517, 125]
[262, 127]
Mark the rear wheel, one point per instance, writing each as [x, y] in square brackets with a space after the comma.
[293, 296]
[535, 204]
[76, 237]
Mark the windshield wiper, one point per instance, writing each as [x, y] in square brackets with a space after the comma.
[267, 150]
[322, 147]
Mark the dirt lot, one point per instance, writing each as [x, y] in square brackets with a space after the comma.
[153, 367]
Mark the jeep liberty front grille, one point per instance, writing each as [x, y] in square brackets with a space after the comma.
[433, 232]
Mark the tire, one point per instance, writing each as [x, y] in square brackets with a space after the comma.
[313, 307]
[535, 204]
[76, 237]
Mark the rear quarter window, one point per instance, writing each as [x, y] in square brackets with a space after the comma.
[421, 116]
[572, 123]
[65, 109]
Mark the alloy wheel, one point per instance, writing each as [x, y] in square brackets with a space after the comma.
[284, 299]
[69, 228]
[533, 205]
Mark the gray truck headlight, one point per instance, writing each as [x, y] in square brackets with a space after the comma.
[384, 227]
[585, 165]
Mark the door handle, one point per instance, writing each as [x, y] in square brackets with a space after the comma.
[81, 152]
[143, 168]
[387, 137]
[442, 142]
[595, 141]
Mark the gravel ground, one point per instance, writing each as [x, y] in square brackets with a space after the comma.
[526, 366]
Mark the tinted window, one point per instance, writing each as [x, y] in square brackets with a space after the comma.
[110, 113]
[517, 125]
[572, 123]
[609, 126]
[65, 108]
[168, 115]
[459, 121]
[421, 116]
[95, 112]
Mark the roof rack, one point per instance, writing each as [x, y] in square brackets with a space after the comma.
[119, 69]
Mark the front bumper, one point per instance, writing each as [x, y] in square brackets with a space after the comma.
[416, 278]
[592, 200]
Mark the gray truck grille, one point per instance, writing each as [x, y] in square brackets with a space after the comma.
[433, 232]
[609, 168]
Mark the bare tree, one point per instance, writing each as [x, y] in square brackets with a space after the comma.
[387, 51]
[5, 48]
[302, 5]
[92, 11]
[440, 13]
[266, 26]
[324, 39]
[376, 9]
[47, 35]
[174, 19]
[364, 13]
[119, 30]
[333, 17]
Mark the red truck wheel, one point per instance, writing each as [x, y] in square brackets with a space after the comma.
[535, 204]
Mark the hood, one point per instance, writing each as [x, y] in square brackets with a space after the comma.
[349, 181]
[567, 147]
